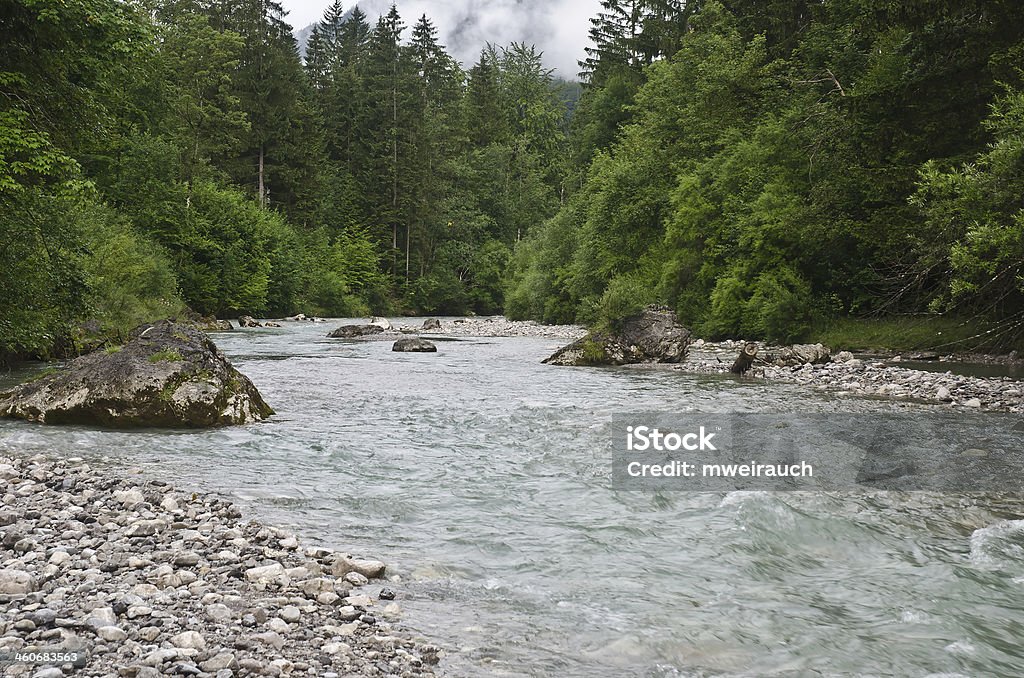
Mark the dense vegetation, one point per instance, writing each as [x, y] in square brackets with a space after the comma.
[766, 166]
[160, 154]
[762, 167]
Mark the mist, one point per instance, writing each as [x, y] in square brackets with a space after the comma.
[557, 27]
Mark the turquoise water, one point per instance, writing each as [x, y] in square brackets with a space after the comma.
[483, 478]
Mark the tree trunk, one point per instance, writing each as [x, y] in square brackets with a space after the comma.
[262, 185]
[745, 360]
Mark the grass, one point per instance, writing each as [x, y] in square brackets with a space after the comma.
[916, 333]
[110, 350]
[42, 374]
[169, 355]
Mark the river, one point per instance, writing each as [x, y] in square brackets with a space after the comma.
[483, 478]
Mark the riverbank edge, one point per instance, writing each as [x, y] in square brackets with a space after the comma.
[867, 376]
[144, 580]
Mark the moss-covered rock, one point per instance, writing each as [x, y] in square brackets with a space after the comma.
[652, 336]
[167, 375]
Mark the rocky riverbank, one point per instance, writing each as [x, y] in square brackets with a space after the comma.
[499, 326]
[867, 377]
[140, 580]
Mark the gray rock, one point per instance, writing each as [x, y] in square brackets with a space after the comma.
[219, 662]
[111, 634]
[943, 395]
[168, 375]
[414, 345]
[356, 579]
[290, 614]
[802, 354]
[17, 582]
[652, 336]
[973, 402]
[431, 324]
[248, 321]
[342, 564]
[383, 323]
[189, 640]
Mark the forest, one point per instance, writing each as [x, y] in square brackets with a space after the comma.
[765, 168]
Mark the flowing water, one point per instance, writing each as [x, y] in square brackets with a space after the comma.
[483, 478]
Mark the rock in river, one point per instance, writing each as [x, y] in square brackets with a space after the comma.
[652, 336]
[349, 331]
[414, 345]
[168, 375]
[431, 324]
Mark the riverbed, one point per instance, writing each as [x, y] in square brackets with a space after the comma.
[483, 478]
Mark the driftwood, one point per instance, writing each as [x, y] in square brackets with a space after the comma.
[745, 360]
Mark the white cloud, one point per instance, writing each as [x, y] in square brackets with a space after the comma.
[558, 27]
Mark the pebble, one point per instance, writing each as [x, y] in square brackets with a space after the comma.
[499, 326]
[158, 585]
[869, 378]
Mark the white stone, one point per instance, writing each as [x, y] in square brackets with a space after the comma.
[266, 573]
[111, 634]
[17, 582]
[189, 640]
[129, 497]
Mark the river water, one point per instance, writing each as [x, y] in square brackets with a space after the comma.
[483, 478]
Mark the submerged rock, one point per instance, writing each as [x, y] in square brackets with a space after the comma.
[168, 375]
[414, 345]
[652, 336]
[349, 331]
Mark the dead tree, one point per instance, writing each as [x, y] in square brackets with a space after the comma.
[745, 360]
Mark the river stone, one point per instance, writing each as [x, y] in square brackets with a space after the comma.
[343, 563]
[383, 323]
[431, 324]
[652, 336]
[350, 331]
[219, 662]
[111, 634]
[414, 345]
[290, 614]
[943, 395]
[17, 582]
[802, 354]
[267, 573]
[168, 375]
[248, 321]
[189, 640]
[973, 402]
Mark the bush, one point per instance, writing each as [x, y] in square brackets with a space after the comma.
[780, 310]
[626, 296]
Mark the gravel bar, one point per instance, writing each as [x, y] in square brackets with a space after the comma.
[116, 576]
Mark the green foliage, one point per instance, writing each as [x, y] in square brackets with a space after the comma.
[789, 162]
[167, 355]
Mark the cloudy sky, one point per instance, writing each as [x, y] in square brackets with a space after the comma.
[558, 27]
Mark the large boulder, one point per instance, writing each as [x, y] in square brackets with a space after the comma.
[652, 336]
[802, 354]
[168, 375]
[383, 323]
[248, 321]
[433, 324]
[350, 331]
[414, 345]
